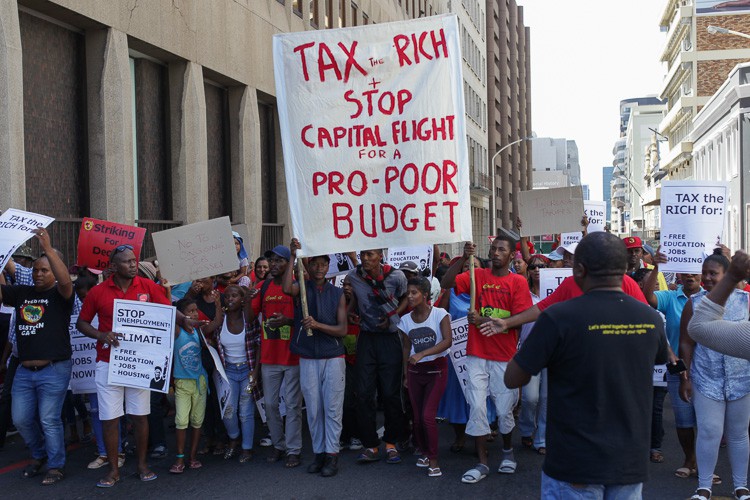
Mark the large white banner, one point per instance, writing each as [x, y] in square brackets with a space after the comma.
[143, 359]
[460, 333]
[17, 226]
[82, 377]
[596, 211]
[692, 222]
[373, 130]
[550, 279]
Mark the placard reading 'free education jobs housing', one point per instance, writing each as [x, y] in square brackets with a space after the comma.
[374, 136]
[143, 359]
[692, 222]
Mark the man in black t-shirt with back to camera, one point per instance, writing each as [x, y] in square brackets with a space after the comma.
[600, 350]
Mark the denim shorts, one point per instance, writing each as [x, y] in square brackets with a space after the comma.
[684, 413]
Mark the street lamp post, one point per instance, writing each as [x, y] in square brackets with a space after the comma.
[493, 216]
[718, 30]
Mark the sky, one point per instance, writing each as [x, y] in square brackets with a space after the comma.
[586, 57]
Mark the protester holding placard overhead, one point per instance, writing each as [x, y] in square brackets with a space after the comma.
[41, 380]
[124, 283]
[499, 294]
[718, 386]
[380, 292]
[278, 364]
[636, 252]
[322, 365]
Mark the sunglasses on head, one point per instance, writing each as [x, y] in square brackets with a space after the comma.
[537, 266]
[119, 249]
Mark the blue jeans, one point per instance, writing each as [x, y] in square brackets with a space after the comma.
[322, 382]
[242, 417]
[552, 489]
[42, 392]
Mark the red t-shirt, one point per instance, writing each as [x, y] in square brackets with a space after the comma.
[101, 301]
[568, 289]
[274, 343]
[497, 297]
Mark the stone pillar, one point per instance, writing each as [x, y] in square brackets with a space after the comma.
[110, 116]
[244, 140]
[12, 169]
[187, 105]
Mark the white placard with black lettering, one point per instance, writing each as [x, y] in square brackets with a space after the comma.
[596, 212]
[550, 279]
[223, 388]
[82, 377]
[692, 222]
[660, 375]
[143, 358]
[420, 255]
[16, 227]
[460, 333]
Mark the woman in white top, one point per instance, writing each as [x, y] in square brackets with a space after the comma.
[426, 333]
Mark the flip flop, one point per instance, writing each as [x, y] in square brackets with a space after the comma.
[148, 476]
[656, 457]
[476, 474]
[434, 472]
[33, 468]
[107, 482]
[177, 469]
[195, 464]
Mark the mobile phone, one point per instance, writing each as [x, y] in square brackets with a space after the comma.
[677, 367]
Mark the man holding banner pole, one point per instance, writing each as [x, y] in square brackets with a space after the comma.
[498, 294]
[124, 283]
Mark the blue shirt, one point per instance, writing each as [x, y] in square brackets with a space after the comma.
[670, 304]
[187, 356]
[718, 376]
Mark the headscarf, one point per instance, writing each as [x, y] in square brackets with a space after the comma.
[147, 269]
[242, 254]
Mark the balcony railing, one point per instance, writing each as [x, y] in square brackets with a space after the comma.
[271, 235]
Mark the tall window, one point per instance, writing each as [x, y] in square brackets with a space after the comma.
[219, 171]
[342, 14]
[314, 13]
[355, 14]
[329, 14]
[297, 7]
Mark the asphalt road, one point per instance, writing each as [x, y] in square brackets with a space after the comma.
[259, 480]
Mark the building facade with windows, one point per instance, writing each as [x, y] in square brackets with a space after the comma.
[154, 113]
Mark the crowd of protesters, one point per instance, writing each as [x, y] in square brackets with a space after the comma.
[578, 362]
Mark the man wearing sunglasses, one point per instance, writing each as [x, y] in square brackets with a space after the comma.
[123, 283]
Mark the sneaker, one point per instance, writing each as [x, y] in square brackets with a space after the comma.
[266, 442]
[355, 444]
[98, 463]
[159, 452]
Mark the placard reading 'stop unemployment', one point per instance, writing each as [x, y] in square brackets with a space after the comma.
[373, 129]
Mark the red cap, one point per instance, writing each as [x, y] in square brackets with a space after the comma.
[633, 242]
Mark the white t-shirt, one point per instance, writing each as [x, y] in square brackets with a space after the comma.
[425, 335]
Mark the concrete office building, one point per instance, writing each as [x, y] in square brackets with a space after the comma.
[472, 28]
[698, 62]
[509, 107]
[154, 113]
[555, 159]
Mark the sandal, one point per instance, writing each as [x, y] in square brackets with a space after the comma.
[434, 472]
[369, 455]
[33, 468]
[292, 460]
[246, 456]
[107, 482]
[541, 450]
[393, 456]
[476, 474]
[275, 456]
[194, 464]
[177, 468]
[231, 452]
[53, 476]
[507, 466]
[423, 462]
[742, 496]
[684, 472]
[656, 457]
[701, 496]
